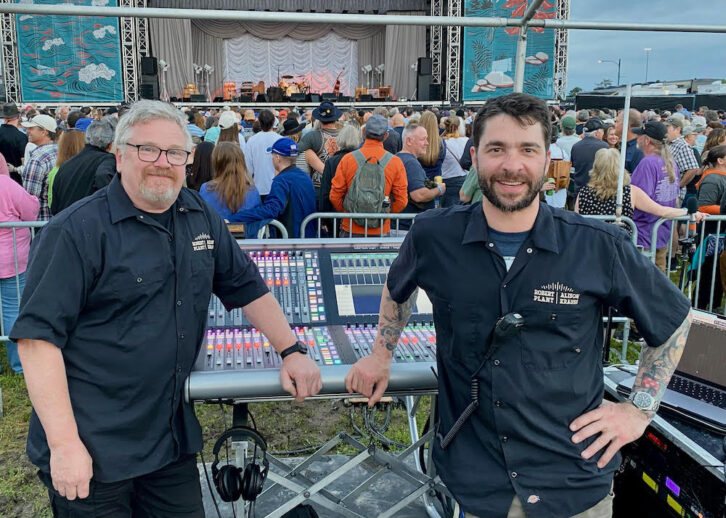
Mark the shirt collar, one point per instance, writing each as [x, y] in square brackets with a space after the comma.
[121, 207]
[543, 233]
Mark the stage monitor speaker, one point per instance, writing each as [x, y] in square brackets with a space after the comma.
[424, 66]
[297, 98]
[198, 98]
[423, 87]
[149, 66]
[274, 94]
[313, 98]
[244, 99]
[219, 99]
[261, 98]
[345, 99]
[149, 90]
[329, 96]
[435, 92]
[365, 98]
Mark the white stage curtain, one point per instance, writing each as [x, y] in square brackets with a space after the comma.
[248, 58]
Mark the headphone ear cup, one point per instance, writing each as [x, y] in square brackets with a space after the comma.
[229, 483]
[252, 482]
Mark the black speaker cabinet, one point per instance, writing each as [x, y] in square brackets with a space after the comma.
[261, 98]
[329, 96]
[274, 94]
[423, 87]
[365, 98]
[313, 98]
[297, 98]
[435, 92]
[345, 99]
[244, 99]
[149, 66]
[424, 66]
[198, 98]
[149, 90]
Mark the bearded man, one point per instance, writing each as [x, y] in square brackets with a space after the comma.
[518, 290]
[111, 321]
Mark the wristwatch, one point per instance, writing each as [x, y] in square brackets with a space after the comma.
[644, 401]
[297, 347]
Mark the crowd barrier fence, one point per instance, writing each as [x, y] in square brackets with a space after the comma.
[335, 216]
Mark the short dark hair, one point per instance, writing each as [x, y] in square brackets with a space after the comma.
[527, 109]
[267, 119]
[714, 154]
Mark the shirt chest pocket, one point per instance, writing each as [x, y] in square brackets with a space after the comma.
[203, 278]
[459, 334]
[552, 339]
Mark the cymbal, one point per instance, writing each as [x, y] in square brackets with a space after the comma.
[287, 77]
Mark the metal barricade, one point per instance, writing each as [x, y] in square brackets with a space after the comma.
[264, 232]
[707, 243]
[335, 216]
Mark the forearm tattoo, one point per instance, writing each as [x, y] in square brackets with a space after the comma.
[393, 319]
[658, 363]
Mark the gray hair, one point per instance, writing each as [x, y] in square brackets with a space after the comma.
[145, 111]
[100, 133]
[408, 130]
[349, 137]
[583, 115]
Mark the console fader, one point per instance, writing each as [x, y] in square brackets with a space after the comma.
[330, 295]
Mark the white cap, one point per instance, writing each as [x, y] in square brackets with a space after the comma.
[42, 121]
[227, 120]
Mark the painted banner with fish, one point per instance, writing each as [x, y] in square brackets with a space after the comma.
[490, 52]
[69, 59]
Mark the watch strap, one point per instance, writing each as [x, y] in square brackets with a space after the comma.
[297, 347]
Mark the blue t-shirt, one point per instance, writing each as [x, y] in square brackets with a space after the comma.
[508, 243]
[252, 200]
[416, 176]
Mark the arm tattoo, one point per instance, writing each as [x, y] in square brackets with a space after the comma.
[658, 363]
[393, 318]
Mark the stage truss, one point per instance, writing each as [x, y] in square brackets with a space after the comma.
[134, 44]
[437, 40]
[453, 62]
[561, 50]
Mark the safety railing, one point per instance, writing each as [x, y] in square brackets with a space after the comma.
[625, 222]
[333, 217]
[699, 268]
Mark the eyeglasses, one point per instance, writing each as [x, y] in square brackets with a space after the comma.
[149, 153]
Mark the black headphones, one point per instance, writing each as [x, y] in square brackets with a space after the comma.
[232, 482]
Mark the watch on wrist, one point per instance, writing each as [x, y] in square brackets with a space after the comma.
[644, 401]
[297, 347]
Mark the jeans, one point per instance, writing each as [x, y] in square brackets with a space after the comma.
[10, 299]
[451, 196]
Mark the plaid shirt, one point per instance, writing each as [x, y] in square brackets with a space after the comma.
[35, 175]
[683, 155]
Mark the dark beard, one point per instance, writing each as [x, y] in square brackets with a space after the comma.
[532, 191]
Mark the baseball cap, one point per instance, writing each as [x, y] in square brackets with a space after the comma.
[83, 123]
[284, 147]
[249, 115]
[376, 126]
[594, 124]
[42, 121]
[227, 119]
[688, 130]
[568, 123]
[676, 122]
[653, 129]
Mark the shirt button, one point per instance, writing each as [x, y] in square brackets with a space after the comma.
[141, 216]
[139, 279]
[491, 245]
[497, 362]
[514, 474]
[181, 336]
[178, 302]
[178, 368]
[505, 438]
[171, 239]
[529, 250]
[504, 285]
[497, 403]
[578, 350]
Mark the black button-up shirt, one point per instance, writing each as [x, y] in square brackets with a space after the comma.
[545, 375]
[126, 300]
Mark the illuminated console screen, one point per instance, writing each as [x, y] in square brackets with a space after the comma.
[359, 280]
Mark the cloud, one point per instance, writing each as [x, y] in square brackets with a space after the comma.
[101, 33]
[55, 42]
[88, 73]
[25, 17]
[99, 2]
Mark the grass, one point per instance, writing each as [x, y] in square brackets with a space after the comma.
[286, 426]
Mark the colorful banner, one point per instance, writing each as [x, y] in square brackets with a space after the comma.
[490, 53]
[69, 58]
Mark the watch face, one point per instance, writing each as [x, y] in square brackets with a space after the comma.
[643, 400]
[302, 347]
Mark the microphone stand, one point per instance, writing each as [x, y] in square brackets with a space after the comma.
[688, 250]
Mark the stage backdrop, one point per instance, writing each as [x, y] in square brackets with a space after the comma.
[317, 62]
[489, 53]
[64, 58]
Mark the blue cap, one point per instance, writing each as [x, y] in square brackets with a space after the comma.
[82, 124]
[284, 147]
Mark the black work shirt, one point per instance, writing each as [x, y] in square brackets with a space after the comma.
[82, 175]
[126, 300]
[582, 157]
[548, 373]
[12, 144]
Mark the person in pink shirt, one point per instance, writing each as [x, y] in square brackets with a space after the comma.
[15, 205]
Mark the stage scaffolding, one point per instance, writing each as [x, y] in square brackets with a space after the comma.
[135, 34]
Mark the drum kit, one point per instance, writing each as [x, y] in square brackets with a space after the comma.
[292, 85]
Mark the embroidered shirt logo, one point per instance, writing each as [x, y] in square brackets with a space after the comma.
[556, 293]
[203, 242]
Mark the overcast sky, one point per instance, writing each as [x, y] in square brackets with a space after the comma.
[673, 55]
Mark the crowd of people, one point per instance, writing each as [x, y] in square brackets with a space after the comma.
[255, 166]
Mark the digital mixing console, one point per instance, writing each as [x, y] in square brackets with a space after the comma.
[330, 295]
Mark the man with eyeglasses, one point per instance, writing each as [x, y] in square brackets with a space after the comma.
[110, 324]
